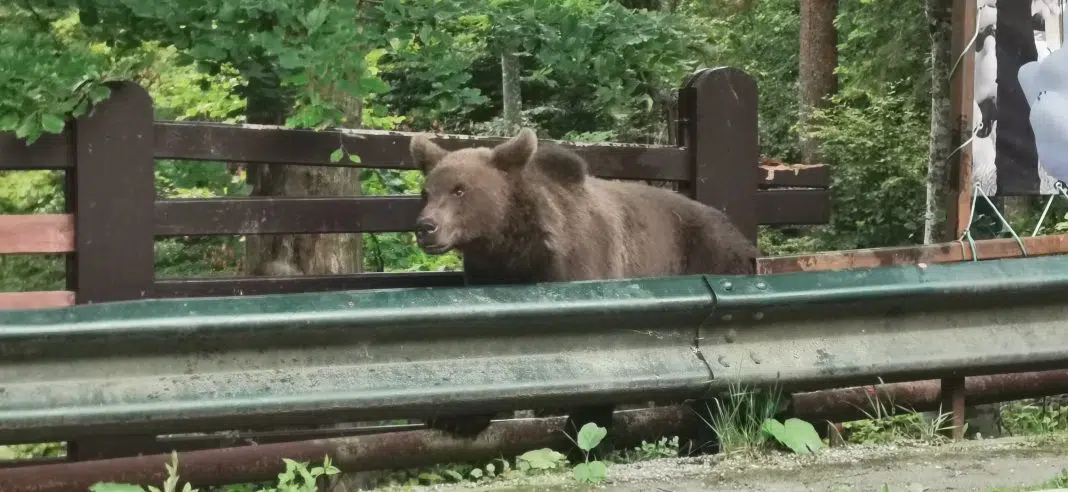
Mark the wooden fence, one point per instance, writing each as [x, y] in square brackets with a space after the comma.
[113, 214]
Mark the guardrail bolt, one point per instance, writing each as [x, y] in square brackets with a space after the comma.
[761, 285]
[727, 285]
[758, 315]
[731, 335]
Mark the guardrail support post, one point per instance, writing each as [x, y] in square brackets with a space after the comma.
[953, 400]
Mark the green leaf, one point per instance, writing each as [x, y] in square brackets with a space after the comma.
[115, 487]
[592, 472]
[28, 129]
[337, 154]
[354, 158]
[314, 20]
[796, 434]
[590, 435]
[99, 93]
[454, 475]
[598, 471]
[289, 60]
[8, 122]
[430, 478]
[541, 459]
[52, 123]
[582, 472]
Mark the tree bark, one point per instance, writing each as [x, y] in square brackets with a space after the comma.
[323, 254]
[818, 60]
[939, 21]
[511, 92]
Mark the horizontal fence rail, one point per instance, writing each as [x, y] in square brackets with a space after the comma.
[200, 141]
[220, 363]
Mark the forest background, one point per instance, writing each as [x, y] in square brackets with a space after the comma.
[860, 85]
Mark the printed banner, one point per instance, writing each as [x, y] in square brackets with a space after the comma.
[1010, 33]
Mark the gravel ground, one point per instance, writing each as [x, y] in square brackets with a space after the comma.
[985, 465]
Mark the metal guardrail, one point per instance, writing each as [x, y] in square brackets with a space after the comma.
[812, 331]
[226, 363]
[223, 363]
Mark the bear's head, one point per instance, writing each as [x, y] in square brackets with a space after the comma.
[468, 193]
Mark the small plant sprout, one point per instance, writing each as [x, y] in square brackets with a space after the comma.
[589, 436]
[340, 153]
[169, 485]
[299, 478]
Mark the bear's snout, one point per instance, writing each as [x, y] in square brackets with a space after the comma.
[426, 235]
[425, 228]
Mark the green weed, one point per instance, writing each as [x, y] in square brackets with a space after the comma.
[663, 448]
[297, 477]
[1029, 417]
[888, 422]
[738, 419]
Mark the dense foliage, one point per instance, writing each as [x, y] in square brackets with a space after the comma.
[590, 70]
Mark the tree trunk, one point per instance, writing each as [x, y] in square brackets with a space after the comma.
[321, 254]
[939, 21]
[818, 60]
[511, 92]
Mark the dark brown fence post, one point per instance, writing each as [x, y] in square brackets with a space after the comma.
[718, 109]
[111, 191]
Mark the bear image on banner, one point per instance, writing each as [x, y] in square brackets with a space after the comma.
[1009, 34]
[527, 211]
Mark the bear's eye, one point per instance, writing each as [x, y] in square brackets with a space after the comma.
[458, 191]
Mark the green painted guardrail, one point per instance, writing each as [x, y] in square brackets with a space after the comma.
[207, 364]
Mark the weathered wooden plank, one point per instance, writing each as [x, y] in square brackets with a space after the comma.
[384, 150]
[988, 249]
[36, 234]
[36, 300]
[389, 150]
[249, 286]
[397, 213]
[51, 151]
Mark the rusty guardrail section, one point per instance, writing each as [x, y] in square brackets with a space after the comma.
[412, 448]
[222, 363]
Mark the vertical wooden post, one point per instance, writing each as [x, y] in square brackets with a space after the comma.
[958, 203]
[111, 191]
[961, 95]
[720, 113]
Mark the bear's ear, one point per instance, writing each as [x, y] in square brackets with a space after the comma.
[425, 153]
[515, 153]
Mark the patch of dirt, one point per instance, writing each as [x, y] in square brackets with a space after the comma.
[982, 465]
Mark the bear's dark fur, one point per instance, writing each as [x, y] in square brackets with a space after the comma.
[525, 212]
[552, 221]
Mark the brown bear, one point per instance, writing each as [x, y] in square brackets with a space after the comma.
[525, 212]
